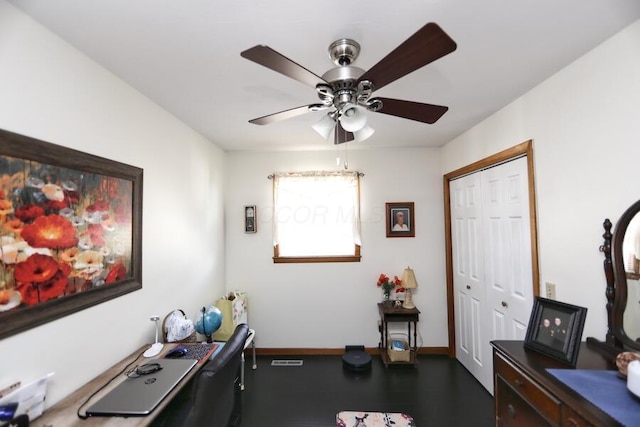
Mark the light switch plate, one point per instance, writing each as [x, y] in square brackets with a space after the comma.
[550, 290]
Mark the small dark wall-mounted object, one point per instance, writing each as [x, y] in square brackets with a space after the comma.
[250, 219]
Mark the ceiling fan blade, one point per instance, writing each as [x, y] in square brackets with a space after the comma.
[341, 136]
[426, 113]
[426, 45]
[287, 114]
[269, 58]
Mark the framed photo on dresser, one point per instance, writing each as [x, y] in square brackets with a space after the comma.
[555, 329]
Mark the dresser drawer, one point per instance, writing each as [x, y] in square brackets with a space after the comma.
[544, 403]
[571, 419]
[513, 411]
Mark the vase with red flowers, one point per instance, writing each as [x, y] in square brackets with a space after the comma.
[387, 286]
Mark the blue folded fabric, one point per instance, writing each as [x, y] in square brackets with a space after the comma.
[397, 345]
[605, 390]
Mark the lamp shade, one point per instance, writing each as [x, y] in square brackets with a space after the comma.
[353, 118]
[363, 133]
[409, 279]
[325, 126]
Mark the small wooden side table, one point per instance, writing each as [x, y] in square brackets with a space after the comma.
[391, 313]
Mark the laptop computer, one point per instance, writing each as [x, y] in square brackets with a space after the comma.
[138, 396]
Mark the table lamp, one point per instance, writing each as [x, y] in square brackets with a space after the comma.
[156, 347]
[408, 283]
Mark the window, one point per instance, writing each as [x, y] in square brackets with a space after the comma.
[316, 217]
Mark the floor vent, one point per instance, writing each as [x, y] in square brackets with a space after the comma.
[280, 362]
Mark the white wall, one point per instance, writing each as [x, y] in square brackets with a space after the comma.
[50, 91]
[585, 125]
[330, 305]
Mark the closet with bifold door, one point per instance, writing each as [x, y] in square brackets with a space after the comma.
[491, 253]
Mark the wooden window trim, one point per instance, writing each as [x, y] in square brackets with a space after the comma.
[312, 259]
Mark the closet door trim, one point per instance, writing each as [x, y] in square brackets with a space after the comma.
[520, 150]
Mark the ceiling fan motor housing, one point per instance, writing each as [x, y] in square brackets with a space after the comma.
[343, 80]
[344, 51]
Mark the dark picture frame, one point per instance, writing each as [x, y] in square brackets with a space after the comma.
[400, 219]
[74, 215]
[250, 219]
[555, 329]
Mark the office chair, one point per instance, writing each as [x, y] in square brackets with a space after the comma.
[212, 398]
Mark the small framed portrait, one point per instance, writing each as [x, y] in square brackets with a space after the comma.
[250, 224]
[555, 329]
[400, 219]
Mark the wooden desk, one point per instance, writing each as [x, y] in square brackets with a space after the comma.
[63, 413]
[526, 394]
[398, 314]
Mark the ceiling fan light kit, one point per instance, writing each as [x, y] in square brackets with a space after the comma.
[352, 117]
[325, 126]
[364, 133]
[347, 90]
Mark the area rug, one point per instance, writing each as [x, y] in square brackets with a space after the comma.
[373, 419]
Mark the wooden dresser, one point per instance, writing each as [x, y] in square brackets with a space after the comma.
[525, 394]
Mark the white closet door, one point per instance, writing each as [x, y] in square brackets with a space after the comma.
[508, 239]
[468, 271]
[491, 243]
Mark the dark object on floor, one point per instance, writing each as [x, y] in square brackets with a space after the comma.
[356, 359]
[212, 397]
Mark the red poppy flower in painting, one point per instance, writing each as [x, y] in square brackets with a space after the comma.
[52, 231]
[28, 213]
[72, 197]
[41, 278]
[55, 205]
[37, 268]
[98, 206]
[96, 233]
[123, 215]
[116, 273]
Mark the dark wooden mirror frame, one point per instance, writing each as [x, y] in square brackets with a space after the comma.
[616, 277]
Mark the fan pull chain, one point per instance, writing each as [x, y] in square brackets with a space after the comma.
[346, 157]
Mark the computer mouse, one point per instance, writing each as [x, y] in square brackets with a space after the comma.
[177, 353]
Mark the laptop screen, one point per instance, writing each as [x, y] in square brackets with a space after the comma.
[140, 395]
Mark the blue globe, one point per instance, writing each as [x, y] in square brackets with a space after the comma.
[208, 321]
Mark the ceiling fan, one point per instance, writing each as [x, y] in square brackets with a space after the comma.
[346, 91]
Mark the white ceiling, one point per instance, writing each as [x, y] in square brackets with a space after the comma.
[185, 56]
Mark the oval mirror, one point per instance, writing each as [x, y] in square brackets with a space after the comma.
[626, 265]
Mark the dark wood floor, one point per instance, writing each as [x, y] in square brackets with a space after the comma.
[438, 392]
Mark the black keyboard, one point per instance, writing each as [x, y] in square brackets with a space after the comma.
[197, 350]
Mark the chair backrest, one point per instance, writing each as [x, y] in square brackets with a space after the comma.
[213, 398]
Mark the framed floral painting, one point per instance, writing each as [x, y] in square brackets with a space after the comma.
[70, 231]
